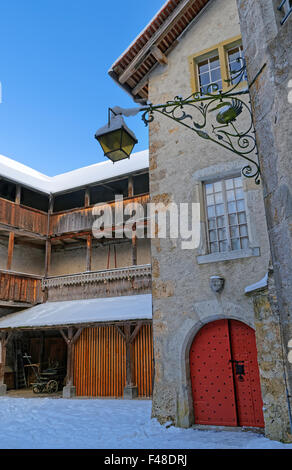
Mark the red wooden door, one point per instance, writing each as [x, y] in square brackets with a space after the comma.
[247, 386]
[221, 395]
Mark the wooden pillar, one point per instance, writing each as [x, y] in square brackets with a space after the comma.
[18, 194]
[48, 257]
[87, 198]
[10, 250]
[134, 249]
[88, 252]
[4, 338]
[130, 390]
[130, 186]
[69, 389]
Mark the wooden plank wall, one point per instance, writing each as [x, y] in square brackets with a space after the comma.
[100, 362]
[22, 217]
[20, 288]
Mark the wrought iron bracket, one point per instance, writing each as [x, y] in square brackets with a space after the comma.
[214, 116]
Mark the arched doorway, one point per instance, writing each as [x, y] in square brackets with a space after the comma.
[225, 376]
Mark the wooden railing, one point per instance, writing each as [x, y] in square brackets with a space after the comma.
[20, 288]
[106, 283]
[78, 220]
[23, 218]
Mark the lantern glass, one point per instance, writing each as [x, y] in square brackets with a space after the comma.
[116, 140]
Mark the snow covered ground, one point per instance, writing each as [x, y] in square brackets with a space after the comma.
[46, 423]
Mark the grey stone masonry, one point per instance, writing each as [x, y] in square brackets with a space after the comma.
[268, 52]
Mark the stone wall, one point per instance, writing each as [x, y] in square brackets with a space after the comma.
[179, 164]
[268, 52]
[272, 362]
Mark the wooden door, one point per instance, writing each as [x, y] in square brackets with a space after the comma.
[224, 375]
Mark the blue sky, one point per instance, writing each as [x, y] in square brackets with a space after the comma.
[54, 59]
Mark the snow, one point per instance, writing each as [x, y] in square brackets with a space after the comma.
[258, 285]
[46, 423]
[91, 174]
[132, 307]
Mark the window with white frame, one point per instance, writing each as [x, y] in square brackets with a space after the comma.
[235, 63]
[209, 73]
[226, 215]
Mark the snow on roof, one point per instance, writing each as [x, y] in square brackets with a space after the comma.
[91, 174]
[132, 307]
[258, 285]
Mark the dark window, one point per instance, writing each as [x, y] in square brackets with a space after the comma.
[141, 184]
[106, 192]
[7, 190]
[69, 201]
[35, 200]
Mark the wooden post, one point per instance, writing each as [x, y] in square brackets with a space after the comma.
[130, 186]
[130, 391]
[87, 198]
[10, 250]
[134, 249]
[18, 194]
[69, 390]
[4, 338]
[48, 257]
[88, 252]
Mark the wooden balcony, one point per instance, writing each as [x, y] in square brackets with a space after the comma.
[82, 220]
[19, 289]
[21, 218]
[108, 283]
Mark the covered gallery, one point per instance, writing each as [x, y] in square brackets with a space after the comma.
[104, 345]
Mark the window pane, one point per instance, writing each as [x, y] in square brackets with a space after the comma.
[230, 195]
[239, 194]
[220, 222]
[240, 205]
[231, 207]
[222, 234]
[238, 182]
[213, 235]
[218, 186]
[234, 232]
[244, 243]
[211, 211]
[233, 219]
[235, 243]
[223, 246]
[210, 200]
[215, 75]
[220, 209]
[214, 247]
[214, 62]
[243, 231]
[204, 79]
[209, 188]
[242, 218]
[229, 184]
[203, 66]
[212, 224]
[218, 198]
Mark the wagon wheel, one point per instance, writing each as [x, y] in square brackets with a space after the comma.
[37, 388]
[52, 386]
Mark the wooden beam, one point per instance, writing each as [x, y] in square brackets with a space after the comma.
[10, 250]
[140, 57]
[48, 257]
[87, 198]
[18, 194]
[130, 186]
[159, 55]
[4, 338]
[134, 249]
[70, 341]
[88, 252]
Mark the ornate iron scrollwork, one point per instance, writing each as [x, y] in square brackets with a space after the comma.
[213, 115]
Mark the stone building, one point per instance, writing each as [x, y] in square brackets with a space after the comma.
[207, 369]
[73, 301]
